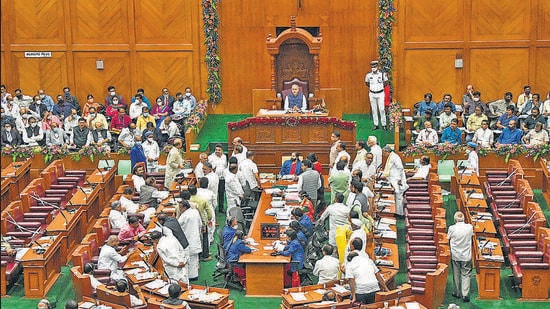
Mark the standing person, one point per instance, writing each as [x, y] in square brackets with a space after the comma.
[395, 173]
[175, 258]
[173, 224]
[460, 239]
[191, 224]
[237, 141]
[339, 181]
[203, 158]
[234, 189]
[219, 164]
[327, 268]
[473, 159]
[338, 216]
[376, 151]
[364, 278]
[376, 80]
[361, 153]
[250, 172]
[152, 152]
[206, 217]
[309, 181]
[335, 139]
[174, 162]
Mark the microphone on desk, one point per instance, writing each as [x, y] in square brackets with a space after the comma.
[93, 185]
[107, 166]
[467, 183]
[40, 250]
[483, 247]
[82, 190]
[64, 217]
[145, 260]
[470, 194]
[72, 209]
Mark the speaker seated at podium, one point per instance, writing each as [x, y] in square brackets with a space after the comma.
[294, 100]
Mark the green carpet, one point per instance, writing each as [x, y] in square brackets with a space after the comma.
[214, 131]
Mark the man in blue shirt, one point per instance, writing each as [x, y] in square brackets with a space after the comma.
[447, 99]
[292, 166]
[505, 118]
[511, 135]
[427, 104]
[452, 134]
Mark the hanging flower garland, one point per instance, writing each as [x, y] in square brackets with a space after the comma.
[292, 122]
[211, 21]
[385, 21]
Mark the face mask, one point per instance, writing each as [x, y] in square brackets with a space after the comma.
[468, 151]
[8, 128]
[145, 114]
[67, 94]
[20, 96]
[374, 70]
[112, 93]
[476, 99]
[150, 139]
[73, 113]
[38, 102]
[42, 96]
[187, 94]
[180, 99]
[92, 114]
[115, 101]
[60, 101]
[527, 92]
[293, 159]
[161, 103]
[235, 226]
[33, 124]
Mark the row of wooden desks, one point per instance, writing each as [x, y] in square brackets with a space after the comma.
[545, 166]
[15, 177]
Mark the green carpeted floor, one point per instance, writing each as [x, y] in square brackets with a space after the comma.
[215, 130]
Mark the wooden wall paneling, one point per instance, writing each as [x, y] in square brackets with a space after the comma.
[542, 72]
[99, 22]
[173, 70]
[432, 21]
[116, 72]
[543, 21]
[428, 70]
[167, 23]
[3, 73]
[40, 73]
[495, 71]
[497, 20]
[35, 22]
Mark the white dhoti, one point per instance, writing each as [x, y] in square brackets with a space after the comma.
[399, 190]
[193, 266]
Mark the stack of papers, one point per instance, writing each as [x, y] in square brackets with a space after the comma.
[155, 284]
[339, 288]
[496, 258]
[299, 296]
[144, 276]
[292, 197]
[139, 264]
[164, 290]
[292, 188]
[388, 234]
[272, 190]
[390, 221]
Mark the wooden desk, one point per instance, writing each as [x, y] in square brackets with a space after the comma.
[71, 228]
[264, 273]
[314, 293]
[263, 112]
[105, 180]
[394, 257]
[42, 270]
[483, 224]
[464, 180]
[487, 269]
[545, 166]
[466, 200]
[5, 198]
[19, 176]
[90, 203]
[188, 293]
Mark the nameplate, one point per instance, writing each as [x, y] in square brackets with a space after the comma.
[38, 54]
[270, 230]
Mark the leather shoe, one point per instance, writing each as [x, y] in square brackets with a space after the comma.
[455, 296]
[466, 299]
[206, 259]
[375, 128]
[384, 128]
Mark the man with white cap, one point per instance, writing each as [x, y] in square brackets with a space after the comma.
[376, 81]
[473, 159]
[395, 174]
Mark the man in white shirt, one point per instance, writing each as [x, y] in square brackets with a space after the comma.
[361, 153]
[364, 278]
[395, 173]
[137, 177]
[191, 224]
[376, 80]
[376, 151]
[367, 167]
[168, 127]
[473, 159]
[152, 152]
[250, 171]
[423, 170]
[203, 158]
[133, 208]
[117, 215]
[460, 239]
[110, 259]
[427, 136]
[327, 268]
[335, 139]
[233, 188]
[338, 216]
[175, 259]
[127, 137]
[342, 155]
[484, 136]
[136, 108]
[219, 163]
[237, 141]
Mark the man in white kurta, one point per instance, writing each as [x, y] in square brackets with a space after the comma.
[342, 154]
[395, 174]
[175, 259]
[133, 208]
[174, 163]
[152, 152]
[110, 259]
[117, 217]
[191, 224]
[473, 159]
[233, 188]
[376, 151]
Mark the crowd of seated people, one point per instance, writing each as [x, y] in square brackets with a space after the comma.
[499, 122]
[40, 121]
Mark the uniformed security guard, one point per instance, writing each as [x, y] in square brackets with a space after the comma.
[376, 80]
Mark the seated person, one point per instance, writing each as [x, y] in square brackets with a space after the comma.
[452, 134]
[110, 259]
[484, 136]
[304, 221]
[447, 100]
[174, 292]
[117, 215]
[307, 205]
[89, 270]
[137, 177]
[235, 248]
[531, 104]
[295, 101]
[426, 105]
[132, 208]
[296, 252]
[329, 297]
[477, 102]
[474, 122]
[445, 117]
[294, 225]
[423, 170]
[536, 136]
[122, 286]
[427, 136]
[149, 194]
[428, 116]
[505, 118]
[132, 231]
[327, 268]
[529, 123]
[510, 135]
[292, 166]
[498, 108]
[229, 230]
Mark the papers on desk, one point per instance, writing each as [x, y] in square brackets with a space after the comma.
[388, 234]
[269, 176]
[155, 284]
[287, 177]
[102, 173]
[266, 111]
[388, 263]
[272, 190]
[298, 296]
[380, 186]
[292, 197]
[140, 264]
[320, 291]
[202, 296]
[495, 258]
[134, 271]
[477, 196]
[482, 216]
[264, 180]
[292, 188]
[390, 221]
[412, 305]
[487, 245]
[339, 289]
[467, 171]
[277, 204]
[164, 290]
[144, 276]
[86, 305]
[383, 227]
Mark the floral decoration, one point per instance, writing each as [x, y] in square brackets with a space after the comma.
[415, 150]
[385, 23]
[18, 153]
[446, 149]
[537, 151]
[53, 152]
[92, 152]
[395, 114]
[211, 21]
[508, 151]
[294, 121]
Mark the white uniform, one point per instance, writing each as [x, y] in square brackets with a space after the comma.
[473, 162]
[338, 216]
[191, 224]
[376, 95]
[395, 172]
[132, 208]
[151, 151]
[109, 259]
[341, 154]
[376, 151]
[117, 219]
[172, 254]
[249, 168]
